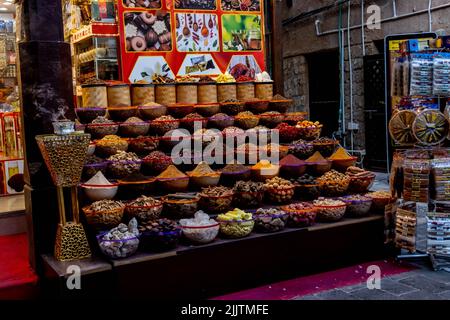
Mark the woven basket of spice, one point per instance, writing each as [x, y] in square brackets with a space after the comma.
[207, 92]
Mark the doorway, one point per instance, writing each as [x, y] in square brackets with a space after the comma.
[324, 90]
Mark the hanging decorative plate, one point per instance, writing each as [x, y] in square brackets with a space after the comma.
[430, 127]
[400, 127]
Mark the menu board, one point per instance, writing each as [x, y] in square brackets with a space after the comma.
[191, 37]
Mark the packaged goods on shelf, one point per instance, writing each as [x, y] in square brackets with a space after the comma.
[406, 227]
[400, 77]
[441, 75]
[416, 183]
[421, 75]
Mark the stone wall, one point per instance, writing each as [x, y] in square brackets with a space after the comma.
[300, 39]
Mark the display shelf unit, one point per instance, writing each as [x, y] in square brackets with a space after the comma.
[227, 265]
[95, 52]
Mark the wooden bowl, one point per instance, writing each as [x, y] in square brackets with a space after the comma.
[122, 113]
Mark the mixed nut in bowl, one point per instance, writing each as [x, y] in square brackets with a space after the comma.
[248, 194]
[144, 209]
[104, 214]
[101, 127]
[216, 199]
[232, 107]
[120, 242]
[143, 145]
[333, 183]
[301, 214]
[155, 163]
[159, 235]
[329, 210]
[357, 205]
[201, 229]
[134, 127]
[236, 224]
[110, 145]
[160, 126]
[180, 205]
[380, 199]
[122, 113]
[123, 164]
[269, 220]
[279, 190]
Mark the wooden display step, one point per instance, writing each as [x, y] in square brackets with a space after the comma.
[226, 266]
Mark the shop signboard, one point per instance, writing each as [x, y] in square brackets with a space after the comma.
[191, 37]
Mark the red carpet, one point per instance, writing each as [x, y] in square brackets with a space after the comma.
[17, 279]
[303, 286]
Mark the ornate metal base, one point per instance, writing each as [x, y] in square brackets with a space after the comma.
[71, 242]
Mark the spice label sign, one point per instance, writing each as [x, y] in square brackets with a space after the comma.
[195, 37]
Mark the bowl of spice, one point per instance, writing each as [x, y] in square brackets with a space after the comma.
[216, 199]
[152, 111]
[246, 120]
[291, 166]
[232, 107]
[306, 188]
[104, 214]
[233, 173]
[274, 150]
[155, 163]
[163, 124]
[180, 205]
[220, 121]
[269, 220]
[144, 209]
[329, 210]
[143, 145]
[317, 164]
[292, 118]
[236, 224]
[360, 180]
[301, 149]
[173, 138]
[193, 121]
[325, 146]
[261, 133]
[201, 229]
[180, 110]
[271, 119]
[122, 113]
[357, 205]
[333, 183]
[380, 199]
[135, 184]
[203, 176]
[264, 170]
[207, 110]
[342, 160]
[257, 105]
[280, 103]
[309, 130]
[99, 188]
[279, 190]
[93, 165]
[248, 194]
[287, 133]
[134, 127]
[110, 145]
[173, 180]
[87, 115]
[123, 164]
[159, 235]
[101, 127]
[301, 214]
